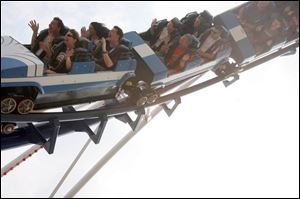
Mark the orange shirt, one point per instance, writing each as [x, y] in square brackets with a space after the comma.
[178, 52]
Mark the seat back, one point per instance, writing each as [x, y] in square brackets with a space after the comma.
[126, 43]
[150, 67]
[126, 65]
[193, 64]
[83, 67]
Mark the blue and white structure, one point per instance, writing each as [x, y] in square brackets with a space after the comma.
[17, 61]
[22, 78]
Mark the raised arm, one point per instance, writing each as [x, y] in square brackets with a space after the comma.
[35, 28]
[107, 60]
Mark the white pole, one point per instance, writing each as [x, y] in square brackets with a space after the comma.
[70, 168]
[12, 164]
[86, 107]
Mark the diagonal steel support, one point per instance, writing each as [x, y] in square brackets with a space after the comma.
[169, 111]
[126, 118]
[49, 144]
[96, 137]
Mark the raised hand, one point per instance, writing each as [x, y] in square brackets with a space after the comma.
[84, 32]
[154, 21]
[34, 26]
[103, 41]
[153, 25]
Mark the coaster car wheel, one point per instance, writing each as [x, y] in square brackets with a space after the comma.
[25, 106]
[7, 128]
[8, 105]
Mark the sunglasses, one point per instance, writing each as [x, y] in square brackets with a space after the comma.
[69, 35]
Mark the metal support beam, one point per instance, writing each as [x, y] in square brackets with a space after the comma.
[126, 118]
[49, 144]
[96, 137]
[169, 111]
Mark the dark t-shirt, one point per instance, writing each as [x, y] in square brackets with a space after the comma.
[58, 58]
[115, 54]
[41, 37]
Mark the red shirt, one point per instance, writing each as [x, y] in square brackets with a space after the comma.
[178, 52]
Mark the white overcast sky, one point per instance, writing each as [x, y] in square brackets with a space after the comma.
[240, 141]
